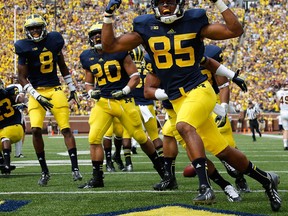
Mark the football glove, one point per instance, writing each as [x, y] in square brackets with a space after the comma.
[118, 94]
[112, 6]
[74, 96]
[220, 120]
[95, 94]
[239, 81]
[44, 102]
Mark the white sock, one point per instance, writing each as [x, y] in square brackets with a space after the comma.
[285, 142]
[18, 148]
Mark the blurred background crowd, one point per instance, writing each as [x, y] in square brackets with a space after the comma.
[260, 54]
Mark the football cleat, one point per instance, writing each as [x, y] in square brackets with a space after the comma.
[76, 175]
[119, 162]
[110, 167]
[206, 196]
[92, 183]
[6, 170]
[167, 183]
[232, 194]
[271, 191]
[19, 156]
[129, 168]
[45, 177]
[242, 185]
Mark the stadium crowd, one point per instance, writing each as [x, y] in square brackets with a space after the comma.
[260, 54]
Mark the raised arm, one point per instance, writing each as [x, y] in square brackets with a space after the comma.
[231, 29]
[110, 43]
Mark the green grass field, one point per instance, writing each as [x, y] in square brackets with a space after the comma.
[124, 191]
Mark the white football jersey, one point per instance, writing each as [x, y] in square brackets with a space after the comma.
[282, 96]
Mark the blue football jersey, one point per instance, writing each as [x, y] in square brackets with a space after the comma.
[138, 92]
[41, 58]
[175, 49]
[9, 115]
[107, 68]
[215, 53]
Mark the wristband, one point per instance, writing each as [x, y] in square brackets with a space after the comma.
[126, 90]
[221, 5]
[107, 14]
[160, 94]
[224, 85]
[107, 20]
[134, 74]
[223, 71]
[29, 88]
[69, 82]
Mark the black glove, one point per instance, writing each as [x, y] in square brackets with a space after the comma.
[44, 102]
[118, 94]
[220, 120]
[239, 81]
[73, 96]
[112, 6]
[95, 94]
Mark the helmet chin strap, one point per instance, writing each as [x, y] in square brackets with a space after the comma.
[169, 19]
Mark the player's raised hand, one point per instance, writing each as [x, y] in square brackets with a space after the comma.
[239, 81]
[112, 6]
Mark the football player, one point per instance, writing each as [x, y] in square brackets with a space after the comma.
[282, 100]
[116, 75]
[170, 135]
[23, 109]
[145, 106]
[221, 87]
[38, 57]
[11, 130]
[173, 39]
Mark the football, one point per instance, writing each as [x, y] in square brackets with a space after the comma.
[189, 171]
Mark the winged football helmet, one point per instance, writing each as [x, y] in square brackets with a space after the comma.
[32, 22]
[137, 54]
[95, 29]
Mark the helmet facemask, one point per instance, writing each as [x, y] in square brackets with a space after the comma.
[94, 35]
[168, 19]
[35, 24]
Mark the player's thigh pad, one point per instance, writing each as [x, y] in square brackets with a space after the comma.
[36, 113]
[195, 106]
[14, 133]
[99, 122]
[131, 121]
